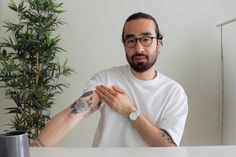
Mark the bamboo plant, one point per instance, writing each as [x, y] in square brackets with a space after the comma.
[29, 69]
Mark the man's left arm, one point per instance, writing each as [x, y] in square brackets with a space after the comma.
[118, 100]
[152, 135]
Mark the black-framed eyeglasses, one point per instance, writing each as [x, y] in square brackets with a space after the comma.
[145, 41]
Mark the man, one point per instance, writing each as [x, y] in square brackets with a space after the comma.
[139, 106]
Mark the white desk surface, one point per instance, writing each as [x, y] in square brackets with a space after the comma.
[203, 151]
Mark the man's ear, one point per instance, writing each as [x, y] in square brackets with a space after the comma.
[159, 42]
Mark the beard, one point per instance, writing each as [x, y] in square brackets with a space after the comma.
[141, 66]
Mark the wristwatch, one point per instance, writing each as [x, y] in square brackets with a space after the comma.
[134, 115]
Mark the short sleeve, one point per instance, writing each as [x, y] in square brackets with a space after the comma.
[174, 115]
[95, 80]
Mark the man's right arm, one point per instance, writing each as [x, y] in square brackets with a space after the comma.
[66, 120]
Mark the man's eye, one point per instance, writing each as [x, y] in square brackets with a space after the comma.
[130, 41]
[146, 39]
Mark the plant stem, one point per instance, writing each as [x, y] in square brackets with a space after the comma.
[37, 67]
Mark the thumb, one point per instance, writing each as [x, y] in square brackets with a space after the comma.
[118, 89]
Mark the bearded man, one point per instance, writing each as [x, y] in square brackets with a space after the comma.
[139, 106]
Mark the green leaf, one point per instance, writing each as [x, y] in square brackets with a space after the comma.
[21, 7]
[13, 110]
[59, 8]
[12, 5]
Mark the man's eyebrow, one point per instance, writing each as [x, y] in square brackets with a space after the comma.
[129, 36]
[146, 33]
[142, 34]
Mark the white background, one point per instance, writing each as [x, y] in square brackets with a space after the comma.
[190, 55]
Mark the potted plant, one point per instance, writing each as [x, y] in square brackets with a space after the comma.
[29, 68]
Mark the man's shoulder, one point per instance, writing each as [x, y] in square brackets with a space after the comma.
[166, 80]
[114, 70]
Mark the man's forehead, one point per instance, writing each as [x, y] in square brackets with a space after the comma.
[139, 27]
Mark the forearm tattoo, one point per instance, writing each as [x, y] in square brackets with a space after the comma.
[167, 137]
[92, 110]
[82, 105]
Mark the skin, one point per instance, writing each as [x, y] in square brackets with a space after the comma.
[61, 124]
[151, 52]
[114, 96]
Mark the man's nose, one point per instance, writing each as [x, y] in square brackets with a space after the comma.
[139, 47]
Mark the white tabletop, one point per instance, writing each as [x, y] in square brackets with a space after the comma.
[207, 151]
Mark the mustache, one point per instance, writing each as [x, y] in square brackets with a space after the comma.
[138, 55]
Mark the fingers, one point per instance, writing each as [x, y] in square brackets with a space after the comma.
[105, 93]
[101, 94]
[118, 89]
[115, 98]
[108, 92]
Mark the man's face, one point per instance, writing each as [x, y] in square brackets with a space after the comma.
[141, 57]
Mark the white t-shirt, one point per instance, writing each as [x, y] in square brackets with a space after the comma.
[162, 101]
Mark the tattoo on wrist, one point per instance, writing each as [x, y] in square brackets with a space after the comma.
[82, 105]
[167, 137]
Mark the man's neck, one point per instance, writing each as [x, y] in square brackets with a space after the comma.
[146, 75]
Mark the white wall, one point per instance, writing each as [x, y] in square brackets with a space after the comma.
[229, 107]
[190, 55]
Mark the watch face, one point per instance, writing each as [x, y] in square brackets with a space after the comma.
[133, 116]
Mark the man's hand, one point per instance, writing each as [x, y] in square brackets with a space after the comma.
[116, 98]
